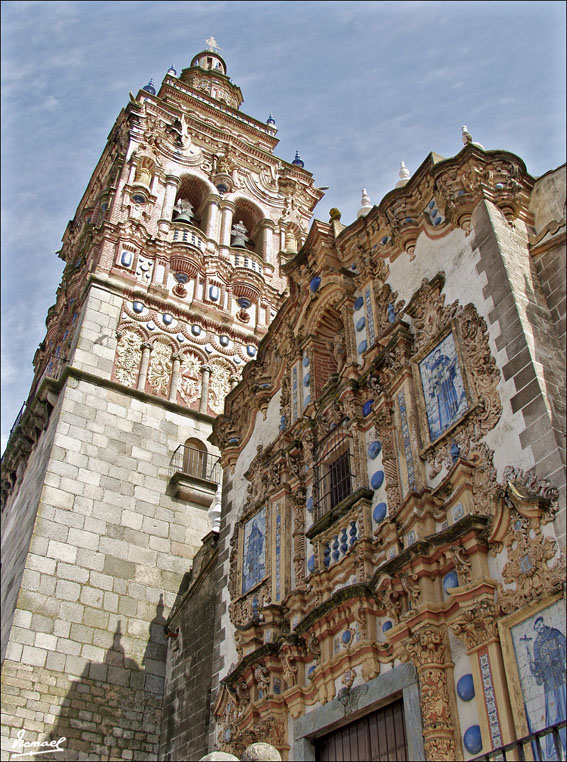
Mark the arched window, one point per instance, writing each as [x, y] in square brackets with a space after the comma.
[195, 458]
[191, 202]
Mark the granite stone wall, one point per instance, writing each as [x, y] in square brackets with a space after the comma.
[191, 629]
[109, 547]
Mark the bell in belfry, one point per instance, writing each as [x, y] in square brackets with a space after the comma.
[183, 211]
[239, 236]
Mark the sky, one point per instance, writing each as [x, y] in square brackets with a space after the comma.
[356, 87]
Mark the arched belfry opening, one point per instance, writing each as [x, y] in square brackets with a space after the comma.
[251, 217]
[191, 202]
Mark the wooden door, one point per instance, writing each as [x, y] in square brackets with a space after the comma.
[379, 736]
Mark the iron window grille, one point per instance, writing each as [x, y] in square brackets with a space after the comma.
[333, 471]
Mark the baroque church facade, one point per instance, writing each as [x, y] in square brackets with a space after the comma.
[383, 404]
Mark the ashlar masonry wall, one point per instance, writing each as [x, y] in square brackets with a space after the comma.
[109, 547]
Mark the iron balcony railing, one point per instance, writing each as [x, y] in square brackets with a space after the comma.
[546, 744]
[192, 462]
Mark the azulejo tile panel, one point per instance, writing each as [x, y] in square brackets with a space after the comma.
[540, 650]
[254, 551]
[443, 388]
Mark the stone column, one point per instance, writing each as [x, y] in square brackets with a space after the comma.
[227, 210]
[132, 173]
[206, 371]
[146, 349]
[174, 378]
[427, 648]
[171, 185]
[212, 217]
[266, 251]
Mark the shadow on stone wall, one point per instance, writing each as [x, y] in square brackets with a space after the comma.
[113, 711]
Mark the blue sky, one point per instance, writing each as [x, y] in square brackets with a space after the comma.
[355, 86]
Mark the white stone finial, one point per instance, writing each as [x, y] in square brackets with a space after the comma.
[211, 44]
[404, 175]
[467, 138]
[366, 204]
[215, 511]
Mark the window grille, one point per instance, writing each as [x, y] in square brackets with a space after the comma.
[334, 472]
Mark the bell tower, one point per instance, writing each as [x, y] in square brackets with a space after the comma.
[109, 483]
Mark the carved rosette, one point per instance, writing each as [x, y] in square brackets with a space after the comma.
[427, 648]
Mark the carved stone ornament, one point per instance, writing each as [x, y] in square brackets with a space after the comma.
[462, 563]
[534, 568]
[159, 371]
[431, 318]
[477, 625]
[427, 648]
[128, 357]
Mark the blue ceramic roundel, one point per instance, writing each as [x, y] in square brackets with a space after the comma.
[167, 318]
[374, 449]
[305, 362]
[472, 739]
[346, 636]
[465, 687]
[358, 303]
[315, 283]
[311, 563]
[377, 479]
[362, 347]
[367, 407]
[307, 379]
[379, 513]
[450, 580]
[360, 323]
[126, 258]
[387, 626]
[138, 307]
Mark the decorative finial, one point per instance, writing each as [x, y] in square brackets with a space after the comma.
[297, 161]
[334, 214]
[211, 44]
[171, 71]
[271, 120]
[404, 175]
[366, 204]
[149, 88]
[467, 138]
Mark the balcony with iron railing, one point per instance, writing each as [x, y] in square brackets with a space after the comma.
[194, 475]
[547, 744]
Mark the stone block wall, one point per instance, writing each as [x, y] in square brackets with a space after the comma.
[109, 547]
[186, 704]
[524, 331]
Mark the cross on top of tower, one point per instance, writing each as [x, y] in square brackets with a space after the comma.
[211, 44]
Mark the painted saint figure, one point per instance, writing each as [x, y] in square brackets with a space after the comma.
[548, 668]
[444, 373]
[254, 563]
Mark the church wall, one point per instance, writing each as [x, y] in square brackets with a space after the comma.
[18, 521]
[108, 552]
[443, 548]
[191, 629]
